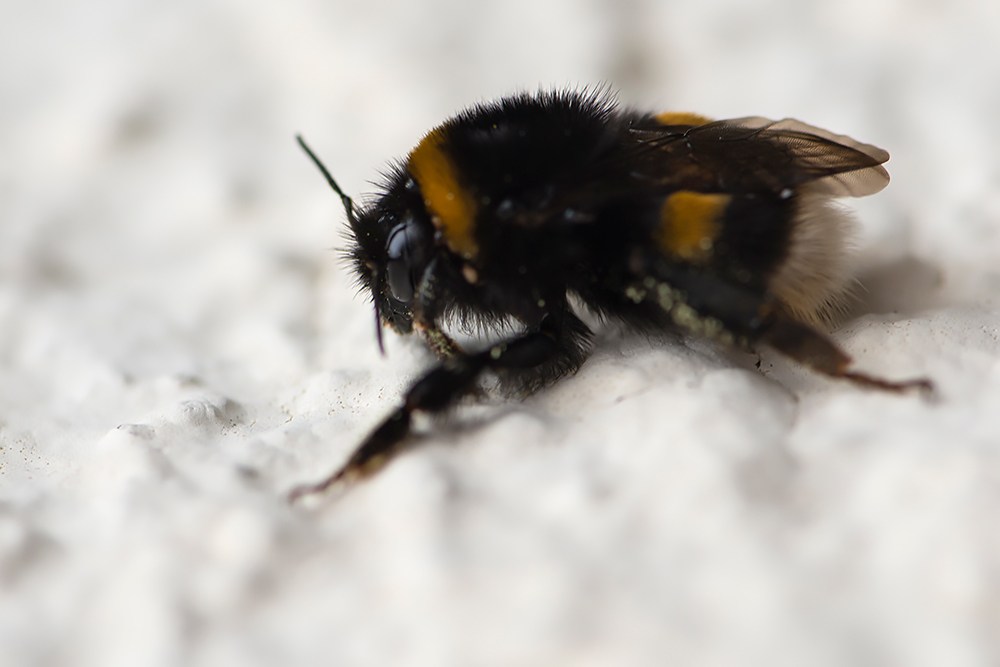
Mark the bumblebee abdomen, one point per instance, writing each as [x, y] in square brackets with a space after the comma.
[793, 246]
[740, 236]
[813, 278]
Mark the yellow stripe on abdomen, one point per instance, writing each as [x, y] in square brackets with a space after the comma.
[690, 222]
[452, 208]
[681, 118]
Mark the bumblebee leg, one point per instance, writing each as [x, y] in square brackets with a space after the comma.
[435, 392]
[713, 307]
[437, 341]
[811, 348]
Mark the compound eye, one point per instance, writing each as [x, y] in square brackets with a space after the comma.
[404, 250]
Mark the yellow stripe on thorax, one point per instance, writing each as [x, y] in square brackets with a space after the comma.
[681, 118]
[452, 208]
[690, 222]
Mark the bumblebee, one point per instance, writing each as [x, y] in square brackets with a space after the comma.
[512, 208]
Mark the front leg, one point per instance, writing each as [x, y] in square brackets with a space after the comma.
[435, 392]
[437, 341]
[425, 322]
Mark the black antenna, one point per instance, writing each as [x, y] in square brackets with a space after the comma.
[347, 201]
[349, 208]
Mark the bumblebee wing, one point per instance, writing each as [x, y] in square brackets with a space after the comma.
[836, 164]
[753, 154]
[738, 156]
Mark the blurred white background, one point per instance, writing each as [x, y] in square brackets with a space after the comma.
[179, 346]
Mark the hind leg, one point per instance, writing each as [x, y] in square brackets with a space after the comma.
[708, 305]
[813, 349]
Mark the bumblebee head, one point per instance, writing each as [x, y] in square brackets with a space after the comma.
[391, 243]
[390, 253]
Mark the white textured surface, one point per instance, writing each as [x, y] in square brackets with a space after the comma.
[178, 347]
